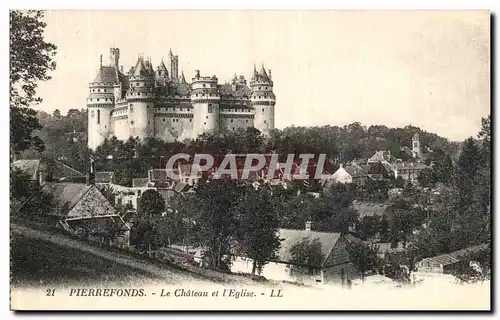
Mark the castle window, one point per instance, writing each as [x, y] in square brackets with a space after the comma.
[138, 93]
[98, 116]
[233, 128]
[190, 120]
[231, 120]
[204, 85]
[246, 121]
[98, 90]
[259, 88]
[206, 117]
[97, 99]
[131, 109]
[131, 122]
[262, 109]
[204, 123]
[265, 121]
[174, 109]
[181, 109]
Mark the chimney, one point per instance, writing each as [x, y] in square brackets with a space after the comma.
[308, 225]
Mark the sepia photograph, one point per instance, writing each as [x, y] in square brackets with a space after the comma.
[293, 160]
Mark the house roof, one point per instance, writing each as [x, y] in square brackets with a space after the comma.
[369, 209]
[74, 201]
[380, 156]
[104, 177]
[28, 166]
[456, 256]
[161, 176]
[290, 237]
[410, 165]
[58, 169]
[140, 182]
[355, 171]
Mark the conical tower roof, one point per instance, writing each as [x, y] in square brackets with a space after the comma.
[263, 72]
[140, 68]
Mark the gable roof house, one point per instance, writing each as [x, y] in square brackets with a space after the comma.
[381, 156]
[350, 174]
[445, 263]
[80, 209]
[333, 266]
[43, 170]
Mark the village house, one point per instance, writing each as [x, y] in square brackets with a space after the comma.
[408, 171]
[381, 156]
[334, 266]
[104, 177]
[350, 174]
[80, 209]
[445, 263]
[42, 171]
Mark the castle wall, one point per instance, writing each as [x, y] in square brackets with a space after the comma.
[231, 121]
[173, 126]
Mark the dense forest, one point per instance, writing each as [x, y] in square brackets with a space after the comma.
[65, 139]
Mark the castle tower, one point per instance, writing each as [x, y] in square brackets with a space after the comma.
[415, 143]
[100, 103]
[140, 101]
[174, 66]
[263, 100]
[205, 99]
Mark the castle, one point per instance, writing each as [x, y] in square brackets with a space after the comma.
[161, 104]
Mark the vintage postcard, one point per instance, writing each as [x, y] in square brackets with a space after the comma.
[250, 160]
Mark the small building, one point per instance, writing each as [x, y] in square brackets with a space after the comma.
[350, 174]
[42, 171]
[104, 177]
[409, 171]
[445, 263]
[334, 266]
[381, 156]
[80, 209]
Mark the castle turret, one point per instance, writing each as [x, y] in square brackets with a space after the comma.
[205, 99]
[140, 101]
[100, 101]
[174, 66]
[162, 70]
[263, 100]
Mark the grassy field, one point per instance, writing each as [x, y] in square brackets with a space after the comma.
[43, 262]
[41, 256]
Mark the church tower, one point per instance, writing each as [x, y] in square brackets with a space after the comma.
[415, 143]
[263, 100]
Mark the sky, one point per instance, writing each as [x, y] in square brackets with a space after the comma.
[429, 69]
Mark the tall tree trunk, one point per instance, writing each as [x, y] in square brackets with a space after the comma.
[254, 267]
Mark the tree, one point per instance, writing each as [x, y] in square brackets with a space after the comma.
[363, 256]
[307, 257]
[258, 227]
[31, 58]
[468, 166]
[368, 227]
[216, 218]
[151, 203]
